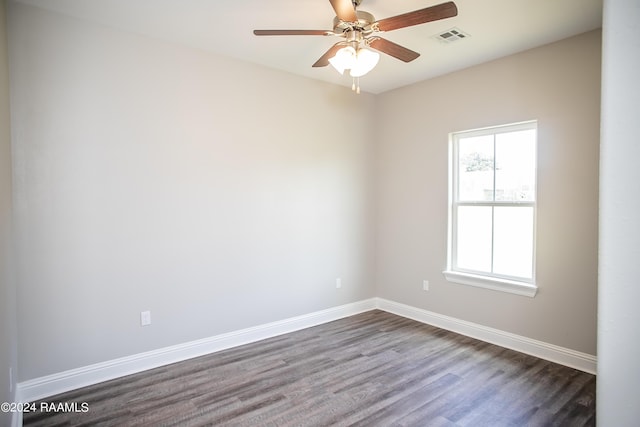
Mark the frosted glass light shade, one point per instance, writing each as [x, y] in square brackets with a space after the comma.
[345, 59]
[366, 60]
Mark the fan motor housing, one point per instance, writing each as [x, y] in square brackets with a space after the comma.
[364, 24]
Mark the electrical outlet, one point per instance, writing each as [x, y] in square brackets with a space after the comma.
[338, 283]
[425, 285]
[145, 318]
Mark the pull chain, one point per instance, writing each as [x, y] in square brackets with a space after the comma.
[355, 86]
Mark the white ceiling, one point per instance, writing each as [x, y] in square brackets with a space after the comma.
[497, 28]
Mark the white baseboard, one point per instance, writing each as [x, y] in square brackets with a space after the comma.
[564, 356]
[50, 385]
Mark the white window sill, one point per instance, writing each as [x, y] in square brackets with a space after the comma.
[511, 286]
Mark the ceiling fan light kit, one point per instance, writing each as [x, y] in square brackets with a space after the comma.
[359, 29]
[354, 56]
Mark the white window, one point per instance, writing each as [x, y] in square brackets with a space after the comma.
[492, 189]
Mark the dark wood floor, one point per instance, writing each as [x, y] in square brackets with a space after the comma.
[372, 369]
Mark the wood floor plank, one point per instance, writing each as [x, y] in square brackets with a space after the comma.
[372, 369]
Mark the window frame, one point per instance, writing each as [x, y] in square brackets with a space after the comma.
[488, 280]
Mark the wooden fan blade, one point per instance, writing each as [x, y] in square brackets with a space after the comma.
[433, 13]
[344, 10]
[292, 32]
[393, 49]
[324, 59]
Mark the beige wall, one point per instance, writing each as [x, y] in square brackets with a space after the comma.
[558, 85]
[214, 193]
[8, 337]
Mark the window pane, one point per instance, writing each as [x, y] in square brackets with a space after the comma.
[516, 165]
[475, 168]
[513, 241]
[474, 238]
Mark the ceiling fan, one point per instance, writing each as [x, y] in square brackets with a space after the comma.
[359, 30]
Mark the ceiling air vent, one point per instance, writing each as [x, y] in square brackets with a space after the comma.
[451, 35]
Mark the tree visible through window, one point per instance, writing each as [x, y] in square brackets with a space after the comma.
[493, 201]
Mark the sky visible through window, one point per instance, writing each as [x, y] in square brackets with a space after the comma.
[496, 192]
